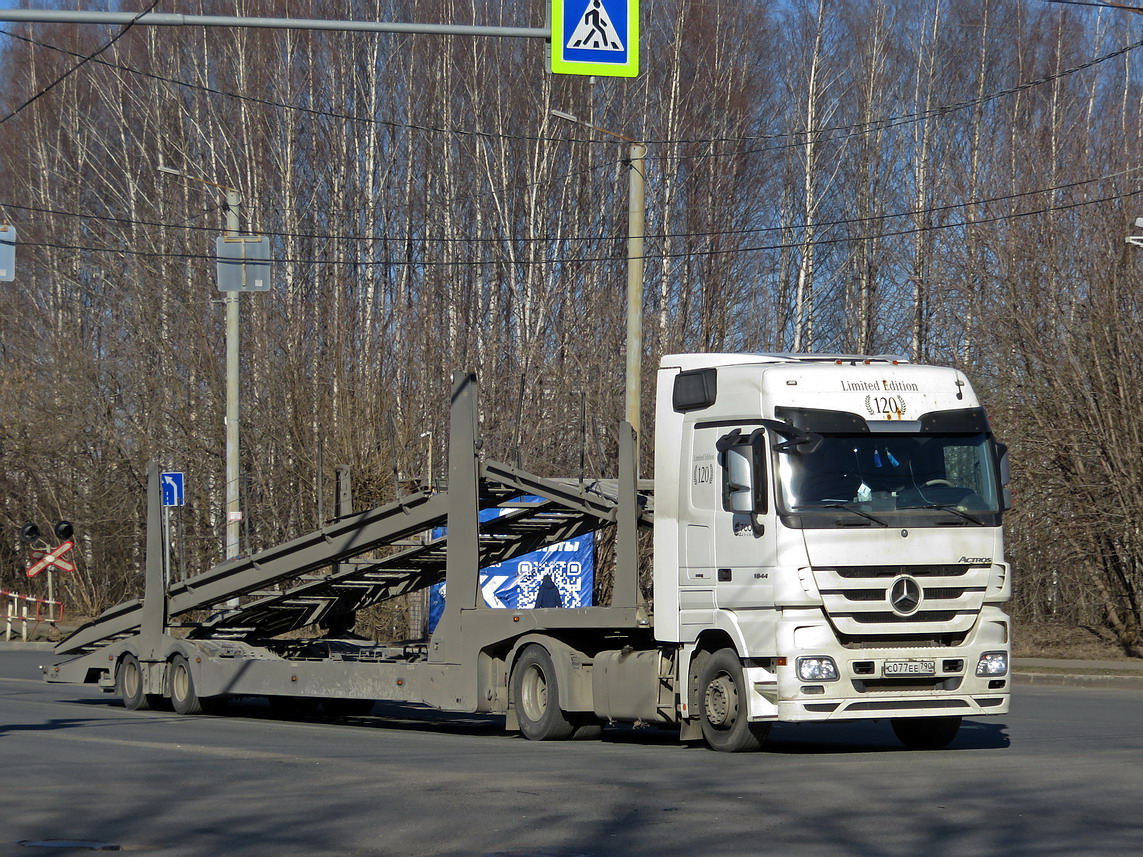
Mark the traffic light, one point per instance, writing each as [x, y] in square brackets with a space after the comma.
[31, 533]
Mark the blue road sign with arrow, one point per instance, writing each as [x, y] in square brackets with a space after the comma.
[172, 484]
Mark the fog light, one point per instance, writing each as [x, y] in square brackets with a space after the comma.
[992, 663]
[817, 669]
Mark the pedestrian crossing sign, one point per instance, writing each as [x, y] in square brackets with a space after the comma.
[595, 37]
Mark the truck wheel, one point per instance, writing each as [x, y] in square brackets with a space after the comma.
[722, 706]
[926, 733]
[129, 685]
[536, 695]
[183, 697]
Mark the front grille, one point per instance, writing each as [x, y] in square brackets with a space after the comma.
[903, 641]
[927, 616]
[857, 572]
[857, 599]
[865, 595]
[945, 593]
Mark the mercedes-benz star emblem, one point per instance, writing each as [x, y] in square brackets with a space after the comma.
[905, 596]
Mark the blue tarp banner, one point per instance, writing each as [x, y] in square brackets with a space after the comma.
[515, 584]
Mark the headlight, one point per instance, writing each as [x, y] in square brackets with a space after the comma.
[817, 669]
[992, 664]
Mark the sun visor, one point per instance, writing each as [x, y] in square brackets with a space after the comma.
[962, 421]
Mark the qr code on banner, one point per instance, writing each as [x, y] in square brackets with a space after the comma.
[567, 575]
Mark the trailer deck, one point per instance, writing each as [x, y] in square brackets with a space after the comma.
[365, 558]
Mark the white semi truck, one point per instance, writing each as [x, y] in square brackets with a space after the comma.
[827, 546]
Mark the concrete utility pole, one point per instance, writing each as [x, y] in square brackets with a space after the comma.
[636, 220]
[233, 507]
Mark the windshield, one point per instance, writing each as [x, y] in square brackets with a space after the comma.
[888, 473]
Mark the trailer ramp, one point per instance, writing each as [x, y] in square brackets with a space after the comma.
[366, 558]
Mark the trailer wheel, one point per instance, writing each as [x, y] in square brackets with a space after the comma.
[722, 706]
[536, 694]
[183, 697]
[129, 684]
[926, 733]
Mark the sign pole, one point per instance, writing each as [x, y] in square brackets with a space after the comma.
[166, 547]
[173, 494]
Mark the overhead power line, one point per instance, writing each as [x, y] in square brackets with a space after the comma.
[751, 230]
[83, 61]
[719, 251]
[797, 138]
[312, 111]
[841, 132]
[1099, 4]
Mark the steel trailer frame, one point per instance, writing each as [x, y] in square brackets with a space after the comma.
[464, 666]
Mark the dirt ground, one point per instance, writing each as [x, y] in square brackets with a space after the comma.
[1035, 640]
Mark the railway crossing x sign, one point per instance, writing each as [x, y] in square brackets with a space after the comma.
[595, 37]
[51, 559]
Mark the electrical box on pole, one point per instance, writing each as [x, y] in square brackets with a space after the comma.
[243, 263]
[7, 253]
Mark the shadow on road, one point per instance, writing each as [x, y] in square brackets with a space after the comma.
[859, 736]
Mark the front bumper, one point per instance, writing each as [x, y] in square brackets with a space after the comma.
[890, 678]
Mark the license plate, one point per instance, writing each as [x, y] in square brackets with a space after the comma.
[909, 668]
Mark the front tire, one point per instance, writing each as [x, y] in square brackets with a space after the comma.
[723, 707]
[536, 695]
[926, 733]
[184, 699]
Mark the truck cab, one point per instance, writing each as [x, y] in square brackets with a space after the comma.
[828, 544]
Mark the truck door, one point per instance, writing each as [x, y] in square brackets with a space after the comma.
[728, 525]
[744, 523]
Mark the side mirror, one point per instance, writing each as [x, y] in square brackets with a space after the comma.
[740, 479]
[1005, 477]
[744, 472]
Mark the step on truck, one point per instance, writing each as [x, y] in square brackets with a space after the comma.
[827, 546]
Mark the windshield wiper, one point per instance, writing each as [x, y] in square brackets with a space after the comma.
[956, 510]
[872, 518]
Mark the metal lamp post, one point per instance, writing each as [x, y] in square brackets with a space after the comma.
[233, 341]
[636, 219]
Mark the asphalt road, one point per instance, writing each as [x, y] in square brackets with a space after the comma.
[1061, 775]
